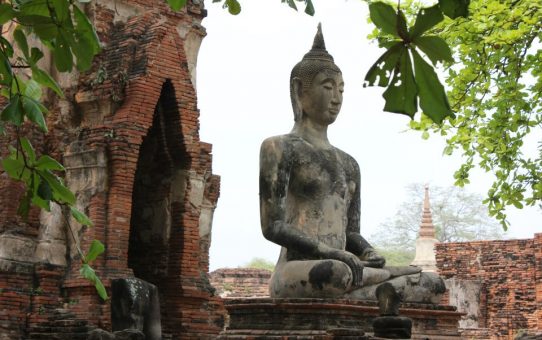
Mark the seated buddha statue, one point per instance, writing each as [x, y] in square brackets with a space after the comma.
[310, 201]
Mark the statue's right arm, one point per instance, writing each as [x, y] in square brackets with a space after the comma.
[275, 169]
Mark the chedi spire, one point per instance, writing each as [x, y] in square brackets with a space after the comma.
[427, 229]
[425, 243]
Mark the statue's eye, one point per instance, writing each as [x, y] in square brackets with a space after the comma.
[328, 86]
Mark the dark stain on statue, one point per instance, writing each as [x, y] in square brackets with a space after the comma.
[303, 283]
[321, 274]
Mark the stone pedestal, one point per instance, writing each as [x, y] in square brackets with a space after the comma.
[266, 318]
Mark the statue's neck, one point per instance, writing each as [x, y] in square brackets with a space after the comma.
[313, 133]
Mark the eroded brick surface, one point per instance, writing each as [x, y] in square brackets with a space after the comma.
[129, 124]
[511, 275]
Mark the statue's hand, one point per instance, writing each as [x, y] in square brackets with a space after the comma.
[355, 265]
[372, 259]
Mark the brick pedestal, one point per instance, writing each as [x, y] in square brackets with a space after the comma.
[266, 318]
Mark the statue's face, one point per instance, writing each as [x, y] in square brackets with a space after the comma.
[322, 101]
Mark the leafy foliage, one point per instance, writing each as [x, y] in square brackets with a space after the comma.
[309, 7]
[396, 257]
[260, 263]
[413, 78]
[67, 32]
[496, 92]
[233, 6]
[457, 216]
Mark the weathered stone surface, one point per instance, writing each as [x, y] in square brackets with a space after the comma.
[126, 334]
[310, 200]
[17, 248]
[510, 299]
[529, 336]
[425, 243]
[424, 287]
[100, 334]
[392, 327]
[135, 305]
[465, 295]
[142, 78]
[284, 317]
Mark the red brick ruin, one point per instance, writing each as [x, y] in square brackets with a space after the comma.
[502, 281]
[127, 134]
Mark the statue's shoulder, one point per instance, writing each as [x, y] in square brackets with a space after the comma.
[280, 143]
[349, 160]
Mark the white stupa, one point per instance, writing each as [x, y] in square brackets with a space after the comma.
[425, 243]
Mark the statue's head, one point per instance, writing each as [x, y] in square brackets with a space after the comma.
[316, 63]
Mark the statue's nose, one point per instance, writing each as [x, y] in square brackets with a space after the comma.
[336, 99]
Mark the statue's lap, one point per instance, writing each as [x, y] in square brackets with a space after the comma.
[333, 279]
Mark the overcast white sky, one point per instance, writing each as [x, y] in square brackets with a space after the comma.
[243, 91]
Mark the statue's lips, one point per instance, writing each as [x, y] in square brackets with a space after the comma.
[334, 112]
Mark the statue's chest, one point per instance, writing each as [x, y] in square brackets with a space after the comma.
[322, 173]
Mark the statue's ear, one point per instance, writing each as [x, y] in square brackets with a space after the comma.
[297, 92]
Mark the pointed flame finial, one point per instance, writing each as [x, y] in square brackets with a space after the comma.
[318, 50]
[319, 43]
[426, 205]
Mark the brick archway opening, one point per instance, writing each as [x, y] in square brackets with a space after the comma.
[162, 156]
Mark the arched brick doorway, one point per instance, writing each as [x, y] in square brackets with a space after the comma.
[158, 188]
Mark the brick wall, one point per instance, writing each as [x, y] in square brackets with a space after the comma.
[241, 282]
[510, 272]
[139, 89]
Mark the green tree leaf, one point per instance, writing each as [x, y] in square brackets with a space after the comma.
[20, 39]
[455, 8]
[234, 7]
[435, 48]
[402, 29]
[401, 95]
[13, 112]
[6, 73]
[13, 167]
[28, 150]
[45, 162]
[6, 45]
[426, 19]
[85, 44]
[384, 17]
[6, 13]
[24, 205]
[309, 7]
[35, 55]
[60, 192]
[88, 273]
[80, 217]
[95, 250]
[86, 31]
[176, 4]
[46, 30]
[433, 100]
[44, 191]
[33, 111]
[62, 54]
[290, 3]
[32, 90]
[45, 79]
[36, 8]
[382, 68]
[61, 10]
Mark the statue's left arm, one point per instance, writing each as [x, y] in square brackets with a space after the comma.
[355, 243]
